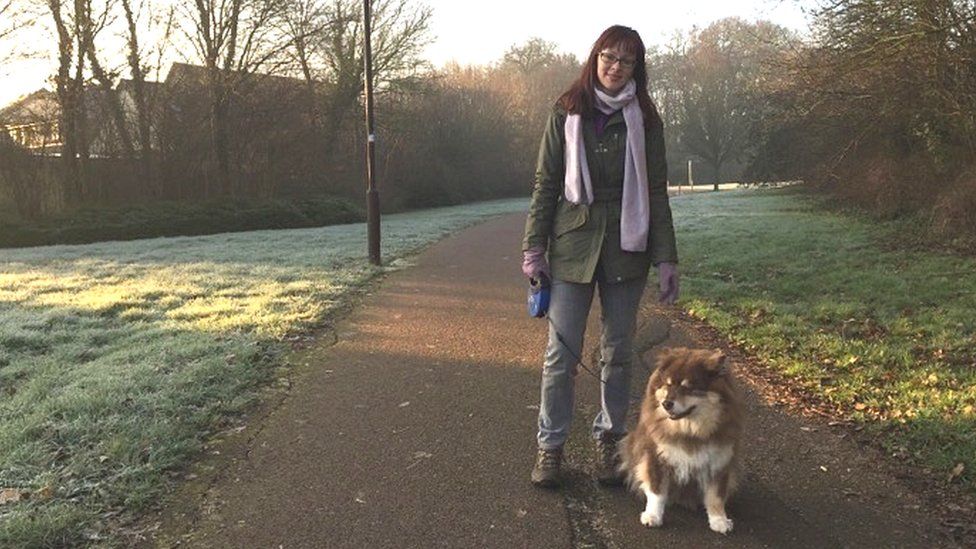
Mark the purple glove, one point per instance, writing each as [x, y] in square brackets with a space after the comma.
[534, 263]
[667, 275]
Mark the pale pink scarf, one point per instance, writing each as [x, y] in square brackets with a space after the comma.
[635, 217]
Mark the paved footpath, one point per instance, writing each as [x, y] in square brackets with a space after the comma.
[417, 430]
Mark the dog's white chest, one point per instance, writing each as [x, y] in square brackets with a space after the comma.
[700, 464]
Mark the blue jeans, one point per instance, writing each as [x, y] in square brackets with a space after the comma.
[569, 306]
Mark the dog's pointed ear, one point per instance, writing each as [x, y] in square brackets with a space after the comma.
[717, 363]
[664, 359]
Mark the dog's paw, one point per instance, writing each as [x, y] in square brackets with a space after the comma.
[651, 520]
[722, 525]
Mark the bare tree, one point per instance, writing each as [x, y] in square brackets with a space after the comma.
[456, 142]
[885, 95]
[68, 98]
[533, 54]
[400, 32]
[6, 15]
[136, 18]
[709, 88]
[77, 24]
[109, 97]
[531, 76]
[304, 22]
[233, 38]
[665, 71]
[905, 55]
[14, 16]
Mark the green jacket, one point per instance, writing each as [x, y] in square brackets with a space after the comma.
[580, 237]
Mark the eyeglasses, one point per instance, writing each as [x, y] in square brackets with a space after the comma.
[611, 59]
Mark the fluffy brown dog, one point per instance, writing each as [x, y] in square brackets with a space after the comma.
[687, 439]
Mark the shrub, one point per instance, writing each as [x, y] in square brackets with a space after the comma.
[178, 219]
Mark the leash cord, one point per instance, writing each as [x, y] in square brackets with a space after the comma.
[580, 362]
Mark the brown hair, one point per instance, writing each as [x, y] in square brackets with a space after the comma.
[580, 98]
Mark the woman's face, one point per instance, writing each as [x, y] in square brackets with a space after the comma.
[614, 68]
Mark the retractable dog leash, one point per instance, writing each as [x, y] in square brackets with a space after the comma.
[539, 296]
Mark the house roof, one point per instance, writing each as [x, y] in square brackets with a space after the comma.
[183, 75]
[150, 85]
[41, 104]
[183, 72]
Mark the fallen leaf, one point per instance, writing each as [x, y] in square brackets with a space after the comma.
[11, 495]
[956, 471]
[822, 468]
[418, 457]
[860, 406]
[404, 404]
[44, 493]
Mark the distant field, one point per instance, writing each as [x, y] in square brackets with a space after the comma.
[117, 360]
[886, 335]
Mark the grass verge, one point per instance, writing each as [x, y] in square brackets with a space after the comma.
[885, 334]
[119, 360]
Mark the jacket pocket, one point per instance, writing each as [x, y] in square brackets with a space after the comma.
[569, 217]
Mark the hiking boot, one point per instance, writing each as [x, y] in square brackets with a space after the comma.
[608, 470]
[546, 470]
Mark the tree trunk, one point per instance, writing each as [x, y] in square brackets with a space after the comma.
[83, 35]
[219, 139]
[114, 106]
[141, 103]
[67, 102]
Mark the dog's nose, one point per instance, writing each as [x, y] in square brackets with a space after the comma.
[668, 404]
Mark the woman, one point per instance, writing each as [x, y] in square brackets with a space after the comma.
[599, 217]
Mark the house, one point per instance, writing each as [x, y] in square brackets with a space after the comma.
[32, 121]
[259, 106]
[154, 93]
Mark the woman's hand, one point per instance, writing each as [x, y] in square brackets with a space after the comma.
[667, 275]
[534, 263]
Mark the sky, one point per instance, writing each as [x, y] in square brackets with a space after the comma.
[479, 32]
[473, 32]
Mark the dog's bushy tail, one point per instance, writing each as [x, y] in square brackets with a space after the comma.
[629, 458]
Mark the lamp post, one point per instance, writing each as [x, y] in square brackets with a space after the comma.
[372, 194]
